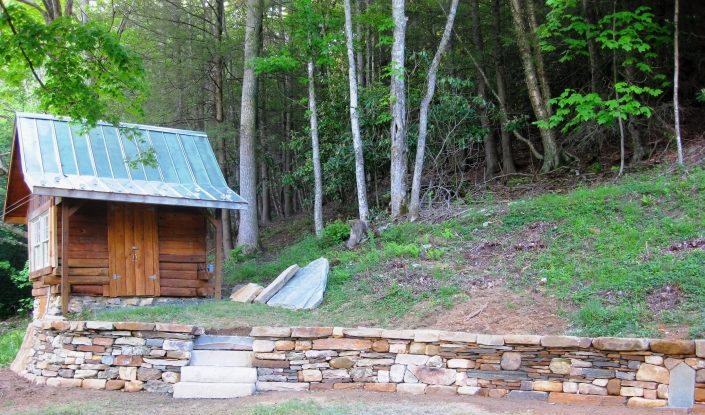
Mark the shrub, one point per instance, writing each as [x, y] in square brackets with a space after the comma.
[334, 233]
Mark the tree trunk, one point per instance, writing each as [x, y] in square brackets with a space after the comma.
[317, 173]
[676, 74]
[415, 202]
[508, 166]
[219, 115]
[491, 164]
[359, 61]
[398, 94]
[539, 103]
[288, 191]
[248, 231]
[592, 49]
[354, 118]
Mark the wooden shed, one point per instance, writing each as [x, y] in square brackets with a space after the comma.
[102, 224]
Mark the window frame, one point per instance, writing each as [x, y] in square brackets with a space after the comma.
[40, 241]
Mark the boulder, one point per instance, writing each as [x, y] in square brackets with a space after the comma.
[246, 294]
[277, 284]
[305, 289]
[432, 375]
[358, 230]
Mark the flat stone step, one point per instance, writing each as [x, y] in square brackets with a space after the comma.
[214, 374]
[209, 342]
[199, 390]
[223, 358]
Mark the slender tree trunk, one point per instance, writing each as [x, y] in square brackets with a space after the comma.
[491, 163]
[248, 231]
[359, 60]
[317, 173]
[539, 103]
[616, 95]
[508, 166]
[354, 118]
[415, 202]
[592, 48]
[398, 94]
[538, 56]
[676, 74]
[288, 191]
[219, 115]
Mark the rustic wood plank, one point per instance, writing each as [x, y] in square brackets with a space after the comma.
[181, 258]
[129, 254]
[181, 275]
[89, 279]
[178, 292]
[112, 249]
[37, 292]
[177, 266]
[88, 271]
[51, 279]
[204, 291]
[87, 289]
[176, 283]
[155, 252]
[89, 263]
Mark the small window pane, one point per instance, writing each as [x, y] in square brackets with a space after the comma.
[30, 157]
[83, 156]
[128, 138]
[117, 160]
[162, 150]
[177, 155]
[211, 163]
[63, 140]
[46, 146]
[100, 153]
[144, 145]
[199, 170]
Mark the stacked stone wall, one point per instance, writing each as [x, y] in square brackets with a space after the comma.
[559, 369]
[126, 356]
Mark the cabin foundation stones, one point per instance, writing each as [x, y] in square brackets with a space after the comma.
[556, 369]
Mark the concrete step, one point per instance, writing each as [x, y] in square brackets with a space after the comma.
[209, 342]
[223, 358]
[214, 374]
[199, 390]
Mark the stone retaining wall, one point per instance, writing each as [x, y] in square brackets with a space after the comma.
[106, 355]
[560, 369]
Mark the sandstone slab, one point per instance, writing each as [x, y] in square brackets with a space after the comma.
[342, 344]
[246, 293]
[620, 344]
[305, 289]
[432, 375]
[673, 347]
[652, 373]
[276, 285]
[185, 390]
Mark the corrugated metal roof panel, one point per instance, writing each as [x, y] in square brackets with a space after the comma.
[61, 158]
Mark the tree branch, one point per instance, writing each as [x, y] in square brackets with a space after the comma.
[530, 144]
[14, 31]
[15, 230]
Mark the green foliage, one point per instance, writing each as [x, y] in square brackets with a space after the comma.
[634, 35]
[335, 233]
[15, 297]
[86, 73]
[10, 342]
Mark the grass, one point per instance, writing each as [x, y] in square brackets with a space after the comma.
[605, 252]
[10, 341]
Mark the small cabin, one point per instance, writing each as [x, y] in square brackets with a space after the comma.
[103, 222]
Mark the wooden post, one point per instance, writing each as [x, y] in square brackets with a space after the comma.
[65, 288]
[217, 293]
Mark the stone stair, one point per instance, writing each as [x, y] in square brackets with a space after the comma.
[220, 368]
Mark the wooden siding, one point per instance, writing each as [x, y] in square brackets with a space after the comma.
[182, 252]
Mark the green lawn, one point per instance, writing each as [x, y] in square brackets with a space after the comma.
[610, 252]
[10, 341]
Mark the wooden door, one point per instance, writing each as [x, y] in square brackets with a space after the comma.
[133, 250]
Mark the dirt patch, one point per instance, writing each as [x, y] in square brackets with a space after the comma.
[531, 312]
[666, 297]
[687, 246]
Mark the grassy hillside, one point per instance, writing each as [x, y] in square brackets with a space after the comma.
[619, 259]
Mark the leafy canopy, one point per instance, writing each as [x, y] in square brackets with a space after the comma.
[80, 69]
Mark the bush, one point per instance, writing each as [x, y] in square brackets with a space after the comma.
[334, 233]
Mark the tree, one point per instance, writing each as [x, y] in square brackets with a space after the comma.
[535, 79]
[362, 208]
[398, 93]
[676, 71]
[508, 166]
[415, 201]
[248, 231]
[79, 69]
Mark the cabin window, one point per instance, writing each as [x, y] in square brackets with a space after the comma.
[39, 240]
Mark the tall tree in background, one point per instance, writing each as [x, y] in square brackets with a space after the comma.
[508, 166]
[248, 231]
[535, 79]
[676, 70]
[398, 94]
[363, 210]
[415, 201]
[491, 163]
